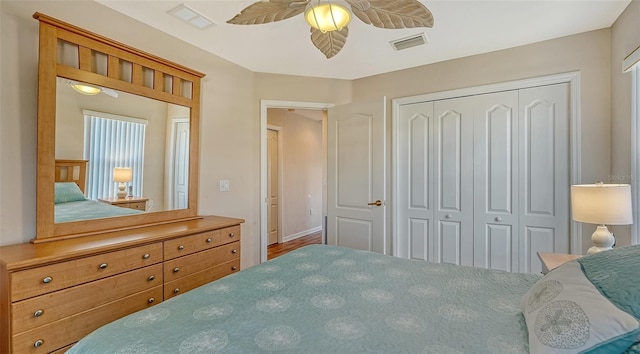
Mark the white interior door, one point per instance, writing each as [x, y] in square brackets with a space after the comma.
[453, 177]
[356, 170]
[415, 182]
[544, 173]
[496, 180]
[272, 186]
[180, 170]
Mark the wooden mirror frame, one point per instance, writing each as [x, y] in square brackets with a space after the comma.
[49, 69]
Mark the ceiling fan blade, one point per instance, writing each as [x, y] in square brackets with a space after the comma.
[329, 43]
[393, 14]
[110, 92]
[265, 12]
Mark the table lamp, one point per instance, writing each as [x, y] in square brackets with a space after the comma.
[601, 204]
[122, 175]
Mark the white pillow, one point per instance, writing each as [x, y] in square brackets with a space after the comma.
[566, 313]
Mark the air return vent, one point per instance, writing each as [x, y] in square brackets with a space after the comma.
[190, 16]
[408, 42]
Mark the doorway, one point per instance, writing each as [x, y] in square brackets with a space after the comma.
[314, 206]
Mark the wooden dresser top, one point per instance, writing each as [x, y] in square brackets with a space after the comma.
[26, 255]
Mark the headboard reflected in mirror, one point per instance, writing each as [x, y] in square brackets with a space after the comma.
[75, 55]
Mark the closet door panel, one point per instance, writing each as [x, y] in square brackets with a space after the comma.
[415, 181]
[496, 180]
[453, 173]
[544, 166]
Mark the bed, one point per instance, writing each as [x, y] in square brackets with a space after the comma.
[329, 299]
[70, 201]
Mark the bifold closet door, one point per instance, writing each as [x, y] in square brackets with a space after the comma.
[435, 186]
[453, 180]
[544, 173]
[495, 173]
[415, 185]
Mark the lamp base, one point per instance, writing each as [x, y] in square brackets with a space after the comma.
[121, 193]
[602, 240]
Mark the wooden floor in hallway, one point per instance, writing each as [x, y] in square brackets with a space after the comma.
[278, 249]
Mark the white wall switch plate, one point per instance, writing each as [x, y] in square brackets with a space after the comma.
[224, 185]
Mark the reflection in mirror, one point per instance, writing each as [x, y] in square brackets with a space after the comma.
[108, 140]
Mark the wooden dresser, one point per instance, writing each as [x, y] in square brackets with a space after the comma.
[54, 293]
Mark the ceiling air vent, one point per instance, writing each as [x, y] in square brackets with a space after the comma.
[191, 17]
[408, 42]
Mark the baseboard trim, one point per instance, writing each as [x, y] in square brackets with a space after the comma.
[301, 234]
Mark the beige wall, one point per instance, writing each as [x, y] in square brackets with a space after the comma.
[302, 154]
[625, 38]
[588, 53]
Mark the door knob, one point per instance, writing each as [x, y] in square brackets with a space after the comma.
[376, 203]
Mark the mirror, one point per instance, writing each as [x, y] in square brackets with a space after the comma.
[156, 94]
[109, 128]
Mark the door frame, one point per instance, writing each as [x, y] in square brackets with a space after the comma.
[575, 143]
[264, 105]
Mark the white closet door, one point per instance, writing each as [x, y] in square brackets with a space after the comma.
[544, 171]
[496, 180]
[415, 182]
[453, 180]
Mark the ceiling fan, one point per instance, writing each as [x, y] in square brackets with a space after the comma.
[329, 18]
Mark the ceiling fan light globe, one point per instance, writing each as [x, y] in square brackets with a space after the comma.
[84, 88]
[327, 16]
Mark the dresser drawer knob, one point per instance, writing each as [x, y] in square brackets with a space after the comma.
[176, 290]
[38, 313]
[176, 269]
[38, 343]
[151, 300]
[234, 268]
[181, 247]
[103, 266]
[234, 251]
[151, 277]
[146, 256]
[209, 240]
[47, 280]
[231, 234]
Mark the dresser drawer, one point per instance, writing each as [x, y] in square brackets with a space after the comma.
[46, 279]
[201, 241]
[192, 281]
[38, 311]
[58, 334]
[135, 205]
[183, 266]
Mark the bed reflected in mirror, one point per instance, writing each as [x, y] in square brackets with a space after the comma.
[118, 154]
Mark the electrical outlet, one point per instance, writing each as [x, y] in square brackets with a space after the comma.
[224, 185]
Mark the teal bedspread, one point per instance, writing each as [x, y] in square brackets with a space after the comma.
[327, 299]
[87, 210]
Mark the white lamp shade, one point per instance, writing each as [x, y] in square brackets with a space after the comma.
[602, 204]
[327, 15]
[122, 174]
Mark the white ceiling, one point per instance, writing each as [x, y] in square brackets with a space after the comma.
[461, 28]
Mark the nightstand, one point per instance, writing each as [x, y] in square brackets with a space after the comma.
[554, 260]
[138, 203]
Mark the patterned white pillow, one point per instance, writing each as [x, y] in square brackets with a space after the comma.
[566, 313]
